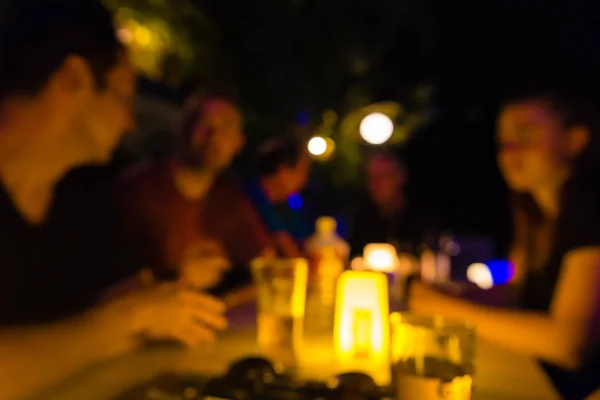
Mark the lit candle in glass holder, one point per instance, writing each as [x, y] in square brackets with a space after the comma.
[380, 257]
[361, 335]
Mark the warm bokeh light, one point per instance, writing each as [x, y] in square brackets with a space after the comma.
[357, 264]
[321, 148]
[428, 267]
[408, 264]
[380, 257]
[480, 275]
[317, 146]
[376, 128]
[125, 36]
[143, 36]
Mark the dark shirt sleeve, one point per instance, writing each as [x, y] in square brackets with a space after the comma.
[578, 227]
[142, 225]
[88, 244]
[113, 256]
[579, 222]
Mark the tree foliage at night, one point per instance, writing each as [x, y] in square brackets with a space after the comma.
[295, 59]
[292, 60]
[170, 40]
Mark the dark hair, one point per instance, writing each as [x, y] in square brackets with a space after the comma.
[193, 109]
[275, 153]
[37, 35]
[574, 104]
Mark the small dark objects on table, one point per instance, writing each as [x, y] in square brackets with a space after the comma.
[257, 379]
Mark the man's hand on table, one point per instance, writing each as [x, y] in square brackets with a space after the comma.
[204, 265]
[164, 312]
[239, 297]
[34, 357]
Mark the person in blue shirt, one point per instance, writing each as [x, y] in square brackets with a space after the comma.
[283, 169]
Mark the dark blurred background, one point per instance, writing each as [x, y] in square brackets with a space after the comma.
[446, 63]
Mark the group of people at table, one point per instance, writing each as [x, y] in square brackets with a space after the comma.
[92, 267]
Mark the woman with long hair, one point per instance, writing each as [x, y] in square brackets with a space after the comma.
[549, 155]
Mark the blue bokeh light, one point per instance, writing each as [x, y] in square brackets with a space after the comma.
[303, 118]
[295, 201]
[502, 271]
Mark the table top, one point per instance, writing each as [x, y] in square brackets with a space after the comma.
[499, 374]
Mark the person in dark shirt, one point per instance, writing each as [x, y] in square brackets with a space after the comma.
[386, 216]
[188, 217]
[549, 153]
[66, 93]
[283, 168]
[70, 259]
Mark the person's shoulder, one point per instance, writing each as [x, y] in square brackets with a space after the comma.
[246, 186]
[143, 178]
[145, 172]
[85, 181]
[582, 195]
[9, 215]
[230, 189]
[86, 193]
[579, 219]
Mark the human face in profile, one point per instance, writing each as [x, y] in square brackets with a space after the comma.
[534, 148]
[111, 112]
[293, 179]
[216, 138]
[385, 179]
[84, 120]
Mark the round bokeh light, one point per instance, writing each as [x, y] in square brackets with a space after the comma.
[480, 275]
[376, 128]
[317, 146]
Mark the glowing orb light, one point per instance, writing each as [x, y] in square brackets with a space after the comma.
[503, 271]
[295, 201]
[480, 275]
[380, 257]
[317, 146]
[376, 128]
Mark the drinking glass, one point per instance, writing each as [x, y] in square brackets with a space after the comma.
[431, 357]
[281, 295]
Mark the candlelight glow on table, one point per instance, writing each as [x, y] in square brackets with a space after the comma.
[380, 257]
[361, 335]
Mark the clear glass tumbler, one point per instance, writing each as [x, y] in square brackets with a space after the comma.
[431, 357]
[281, 297]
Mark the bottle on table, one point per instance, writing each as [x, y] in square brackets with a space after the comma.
[325, 236]
[443, 262]
[328, 255]
[436, 259]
